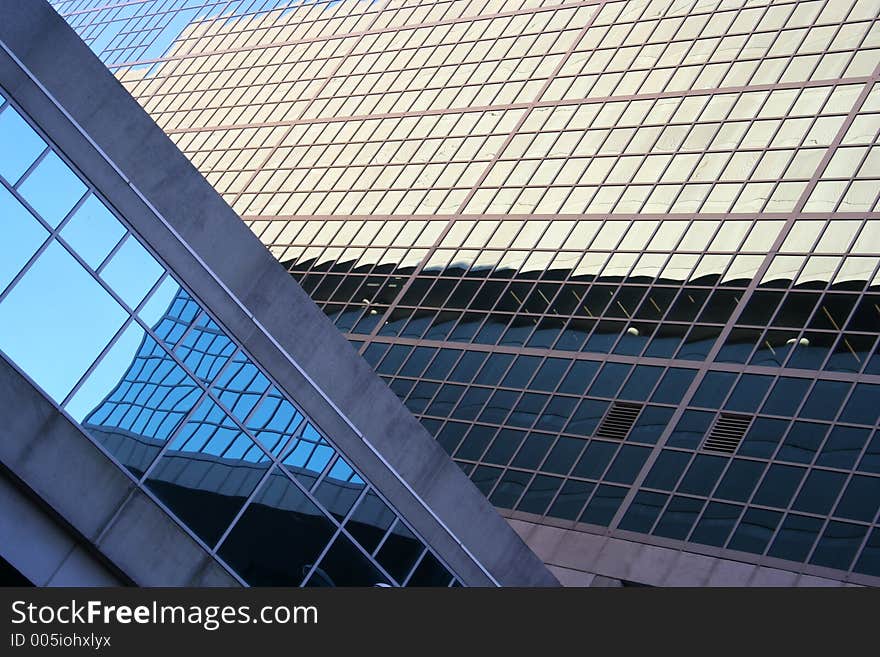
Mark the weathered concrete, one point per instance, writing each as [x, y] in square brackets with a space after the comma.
[32, 541]
[580, 558]
[253, 296]
[101, 529]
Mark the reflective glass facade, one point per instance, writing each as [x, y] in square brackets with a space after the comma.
[110, 334]
[619, 257]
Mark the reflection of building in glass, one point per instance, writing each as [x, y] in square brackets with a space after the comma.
[207, 464]
[619, 257]
[161, 425]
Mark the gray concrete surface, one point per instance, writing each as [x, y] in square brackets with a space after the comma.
[100, 525]
[579, 558]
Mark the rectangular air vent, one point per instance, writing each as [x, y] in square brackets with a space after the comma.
[727, 433]
[618, 421]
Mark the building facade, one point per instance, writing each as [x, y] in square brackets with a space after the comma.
[161, 427]
[619, 257]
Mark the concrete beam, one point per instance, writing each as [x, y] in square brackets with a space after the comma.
[98, 515]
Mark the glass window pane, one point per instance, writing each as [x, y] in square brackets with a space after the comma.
[56, 320]
[340, 489]
[345, 565]
[795, 538]
[399, 552]
[278, 537]
[21, 145]
[131, 272]
[370, 520]
[430, 572]
[208, 471]
[52, 189]
[107, 374]
[716, 524]
[20, 237]
[754, 531]
[92, 231]
[142, 411]
[838, 545]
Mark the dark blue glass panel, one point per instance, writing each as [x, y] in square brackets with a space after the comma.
[417, 361]
[534, 450]
[679, 517]
[494, 369]
[579, 377]
[399, 552]
[475, 442]
[484, 478]
[716, 524]
[754, 531]
[519, 375]
[504, 446]
[869, 561]
[643, 511]
[339, 489]
[586, 417]
[550, 374]
[345, 565]
[498, 406]
[627, 465]
[667, 469]
[603, 505]
[779, 485]
[863, 406]
[370, 520]
[509, 489]
[595, 459]
[802, 441]
[795, 537]
[871, 460]
[609, 380]
[843, 446]
[740, 479]
[702, 475]
[713, 389]
[763, 437]
[430, 572]
[563, 455]
[673, 386]
[825, 400]
[641, 382]
[650, 425]
[467, 367]
[838, 545]
[819, 491]
[748, 393]
[860, 499]
[690, 429]
[208, 471]
[278, 537]
[571, 499]
[540, 494]
[471, 403]
[787, 395]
